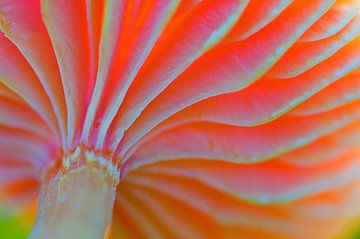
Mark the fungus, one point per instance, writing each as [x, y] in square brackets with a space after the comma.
[181, 119]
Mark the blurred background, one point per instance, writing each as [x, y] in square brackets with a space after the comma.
[16, 223]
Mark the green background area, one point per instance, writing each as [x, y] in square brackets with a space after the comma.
[353, 233]
[11, 227]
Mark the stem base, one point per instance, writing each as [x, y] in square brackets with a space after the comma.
[76, 205]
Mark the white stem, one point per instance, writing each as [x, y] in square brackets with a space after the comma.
[75, 205]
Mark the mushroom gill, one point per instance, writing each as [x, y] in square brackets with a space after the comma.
[191, 119]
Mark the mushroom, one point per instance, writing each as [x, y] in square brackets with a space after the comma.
[181, 119]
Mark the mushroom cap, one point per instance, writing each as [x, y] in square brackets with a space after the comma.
[217, 118]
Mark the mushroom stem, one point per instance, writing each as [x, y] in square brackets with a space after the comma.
[76, 204]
